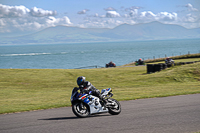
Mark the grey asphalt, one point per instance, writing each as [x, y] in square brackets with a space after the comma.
[176, 114]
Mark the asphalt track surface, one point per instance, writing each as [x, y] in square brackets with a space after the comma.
[176, 114]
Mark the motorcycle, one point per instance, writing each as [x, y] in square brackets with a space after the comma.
[84, 105]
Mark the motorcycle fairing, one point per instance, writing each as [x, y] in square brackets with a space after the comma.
[105, 91]
[90, 101]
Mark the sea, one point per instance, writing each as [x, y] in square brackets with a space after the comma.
[91, 55]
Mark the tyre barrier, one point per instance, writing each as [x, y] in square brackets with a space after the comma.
[158, 67]
[151, 68]
[189, 62]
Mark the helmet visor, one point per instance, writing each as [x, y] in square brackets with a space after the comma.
[79, 82]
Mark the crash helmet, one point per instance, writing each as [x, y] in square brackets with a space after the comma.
[80, 80]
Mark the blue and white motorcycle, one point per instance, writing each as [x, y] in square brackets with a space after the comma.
[84, 105]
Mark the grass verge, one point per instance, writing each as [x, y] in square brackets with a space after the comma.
[33, 89]
[181, 58]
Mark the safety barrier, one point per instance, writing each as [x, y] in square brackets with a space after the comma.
[151, 68]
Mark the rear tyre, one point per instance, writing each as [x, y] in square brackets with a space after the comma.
[114, 109]
[80, 110]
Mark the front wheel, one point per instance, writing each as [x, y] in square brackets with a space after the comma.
[80, 110]
[115, 107]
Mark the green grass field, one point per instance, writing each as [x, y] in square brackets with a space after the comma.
[33, 89]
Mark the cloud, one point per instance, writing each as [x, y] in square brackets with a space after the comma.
[83, 11]
[96, 15]
[100, 23]
[165, 16]
[147, 15]
[13, 18]
[109, 9]
[24, 19]
[132, 8]
[21, 11]
[52, 21]
[112, 14]
[2, 23]
[133, 13]
[189, 18]
[38, 12]
[12, 11]
[162, 16]
[190, 7]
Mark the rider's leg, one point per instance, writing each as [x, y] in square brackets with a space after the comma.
[102, 100]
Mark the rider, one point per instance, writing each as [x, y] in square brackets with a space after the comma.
[87, 87]
[140, 62]
[168, 60]
[111, 64]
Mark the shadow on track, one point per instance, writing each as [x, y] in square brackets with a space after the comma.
[60, 118]
[67, 118]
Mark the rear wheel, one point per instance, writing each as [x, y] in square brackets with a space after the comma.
[80, 110]
[115, 108]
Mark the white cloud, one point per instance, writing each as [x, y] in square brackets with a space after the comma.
[102, 16]
[96, 15]
[36, 25]
[112, 14]
[162, 16]
[100, 23]
[146, 16]
[12, 11]
[165, 16]
[2, 23]
[52, 21]
[190, 7]
[24, 19]
[190, 18]
[131, 8]
[83, 11]
[38, 12]
[133, 13]
[110, 9]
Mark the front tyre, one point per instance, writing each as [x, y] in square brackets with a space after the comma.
[80, 110]
[115, 108]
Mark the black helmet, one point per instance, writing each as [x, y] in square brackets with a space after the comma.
[80, 80]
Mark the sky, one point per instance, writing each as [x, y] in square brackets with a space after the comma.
[35, 15]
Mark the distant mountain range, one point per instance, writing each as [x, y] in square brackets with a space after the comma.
[124, 32]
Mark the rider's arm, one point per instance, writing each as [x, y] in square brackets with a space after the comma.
[88, 87]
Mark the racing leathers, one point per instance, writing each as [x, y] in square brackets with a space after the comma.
[88, 88]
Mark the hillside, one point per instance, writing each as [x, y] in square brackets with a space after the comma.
[124, 32]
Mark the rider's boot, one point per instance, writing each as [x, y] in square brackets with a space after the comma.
[104, 103]
[103, 100]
